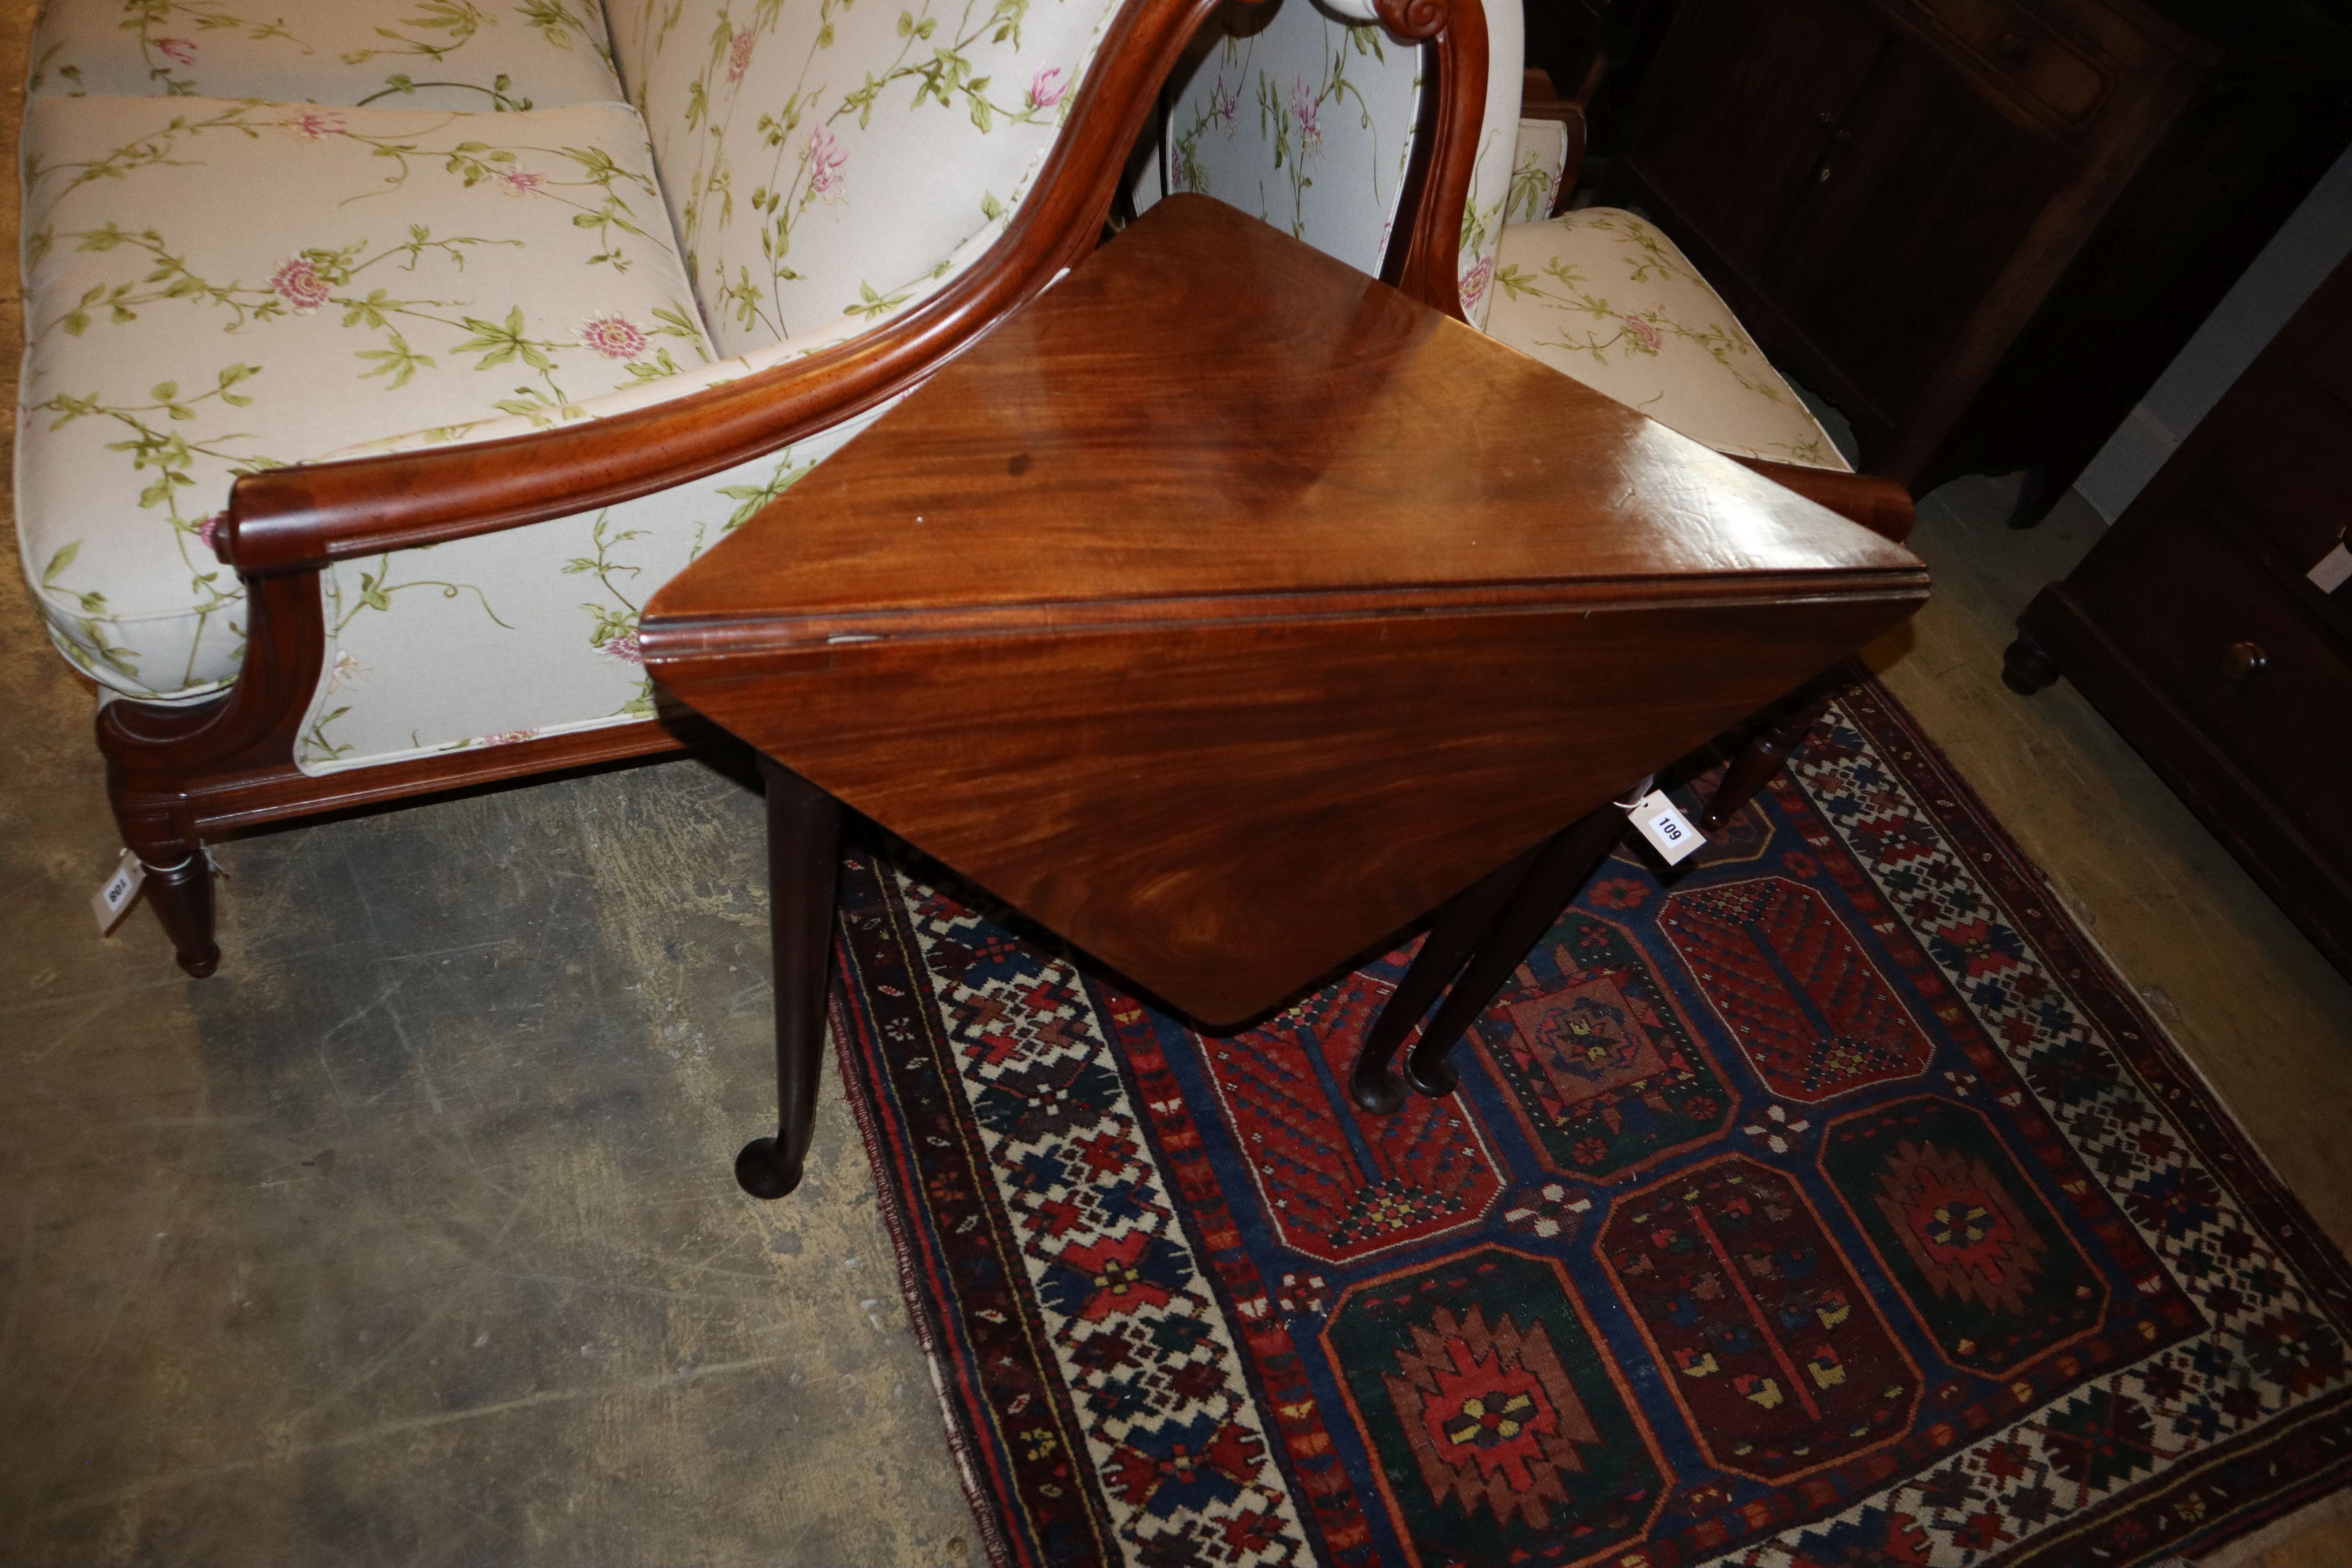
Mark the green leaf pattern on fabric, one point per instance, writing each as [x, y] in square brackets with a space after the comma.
[491, 55]
[393, 269]
[822, 158]
[1604, 297]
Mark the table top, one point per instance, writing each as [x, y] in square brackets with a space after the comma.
[1224, 608]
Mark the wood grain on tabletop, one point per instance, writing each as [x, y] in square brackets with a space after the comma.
[1225, 609]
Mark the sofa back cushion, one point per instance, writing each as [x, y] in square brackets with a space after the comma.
[822, 158]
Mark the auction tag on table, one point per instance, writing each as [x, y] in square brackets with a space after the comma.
[1669, 831]
[109, 902]
[2334, 571]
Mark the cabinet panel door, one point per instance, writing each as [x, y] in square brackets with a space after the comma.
[1920, 201]
[1737, 107]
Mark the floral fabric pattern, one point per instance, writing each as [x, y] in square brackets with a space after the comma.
[1535, 171]
[1306, 120]
[474, 55]
[823, 161]
[409, 269]
[558, 620]
[1599, 295]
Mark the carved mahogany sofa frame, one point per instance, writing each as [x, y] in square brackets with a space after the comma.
[180, 775]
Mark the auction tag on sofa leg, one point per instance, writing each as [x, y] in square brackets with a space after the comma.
[109, 902]
[1669, 831]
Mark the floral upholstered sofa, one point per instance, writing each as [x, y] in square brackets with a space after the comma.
[383, 355]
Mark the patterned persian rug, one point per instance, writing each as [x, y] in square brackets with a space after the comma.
[1828, 1201]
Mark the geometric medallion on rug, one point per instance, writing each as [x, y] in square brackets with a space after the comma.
[1827, 1200]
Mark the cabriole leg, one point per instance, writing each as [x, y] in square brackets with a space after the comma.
[803, 864]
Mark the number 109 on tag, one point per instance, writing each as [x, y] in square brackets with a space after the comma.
[1669, 831]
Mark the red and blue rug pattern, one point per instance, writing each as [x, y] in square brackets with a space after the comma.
[1828, 1201]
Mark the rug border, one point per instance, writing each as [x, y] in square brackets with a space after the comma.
[2170, 1077]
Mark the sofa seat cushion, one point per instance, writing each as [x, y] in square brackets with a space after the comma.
[413, 53]
[215, 286]
[1604, 297]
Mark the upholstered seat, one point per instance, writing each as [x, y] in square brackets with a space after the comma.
[1304, 119]
[391, 269]
[433, 54]
[1604, 297]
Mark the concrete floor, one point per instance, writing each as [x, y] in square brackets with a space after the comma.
[410, 1236]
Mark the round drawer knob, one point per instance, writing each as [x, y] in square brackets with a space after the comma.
[2244, 662]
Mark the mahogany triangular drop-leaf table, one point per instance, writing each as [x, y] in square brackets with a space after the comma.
[1224, 610]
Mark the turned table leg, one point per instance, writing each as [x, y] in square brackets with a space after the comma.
[1562, 867]
[803, 864]
[1443, 953]
[1766, 752]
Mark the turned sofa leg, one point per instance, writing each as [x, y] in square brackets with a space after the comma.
[180, 890]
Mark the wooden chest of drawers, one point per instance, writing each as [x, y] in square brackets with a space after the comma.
[2198, 627]
[1981, 227]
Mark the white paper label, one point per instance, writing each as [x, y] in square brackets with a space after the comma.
[1668, 831]
[109, 902]
[2334, 571]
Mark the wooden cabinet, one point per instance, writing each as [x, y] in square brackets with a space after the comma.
[2197, 625]
[1981, 227]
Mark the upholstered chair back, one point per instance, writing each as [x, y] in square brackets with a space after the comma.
[825, 160]
[1301, 113]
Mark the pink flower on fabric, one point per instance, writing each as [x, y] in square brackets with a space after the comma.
[209, 530]
[509, 737]
[1474, 281]
[1047, 90]
[1646, 331]
[181, 51]
[614, 336]
[1303, 105]
[738, 56]
[298, 283]
[826, 158]
[313, 123]
[1224, 102]
[624, 648]
[521, 182]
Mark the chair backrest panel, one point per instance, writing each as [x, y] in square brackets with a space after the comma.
[826, 158]
[1307, 119]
